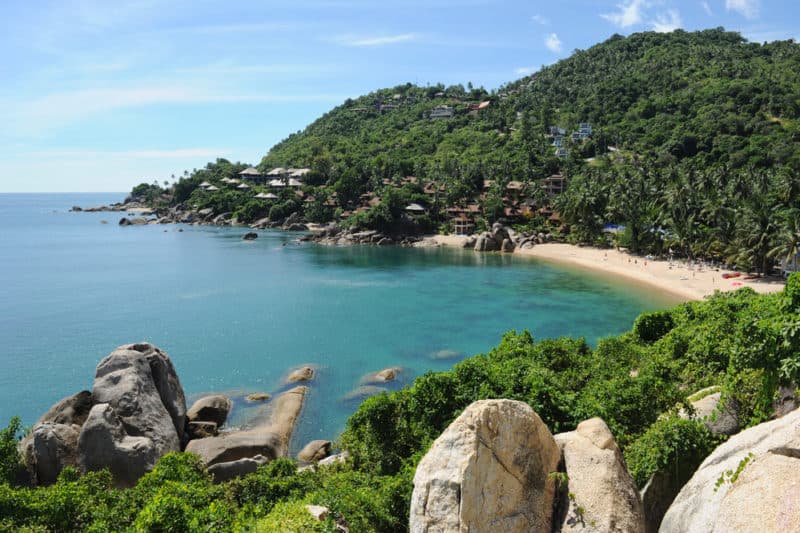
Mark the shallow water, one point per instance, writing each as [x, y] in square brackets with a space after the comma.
[236, 315]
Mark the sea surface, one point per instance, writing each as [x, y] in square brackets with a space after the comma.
[236, 316]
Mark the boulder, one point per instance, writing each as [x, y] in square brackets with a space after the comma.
[139, 382]
[603, 494]
[201, 430]
[787, 400]
[210, 409]
[507, 246]
[303, 373]
[382, 376]
[487, 472]
[270, 439]
[258, 397]
[334, 459]
[104, 443]
[702, 503]
[499, 233]
[124, 221]
[718, 418]
[48, 449]
[315, 450]
[297, 226]
[470, 241]
[222, 472]
[657, 495]
[250, 236]
[70, 410]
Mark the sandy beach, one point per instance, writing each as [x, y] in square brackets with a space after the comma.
[689, 282]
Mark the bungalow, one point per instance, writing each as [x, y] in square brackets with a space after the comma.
[554, 185]
[243, 187]
[298, 173]
[211, 188]
[462, 225]
[557, 131]
[204, 185]
[557, 141]
[585, 128]
[415, 209]
[562, 152]
[277, 172]
[442, 111]
[253, 174]
[266, 196]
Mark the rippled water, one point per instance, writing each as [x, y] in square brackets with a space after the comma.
[235, 316]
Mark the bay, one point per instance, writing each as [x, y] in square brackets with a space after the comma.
[235, 316]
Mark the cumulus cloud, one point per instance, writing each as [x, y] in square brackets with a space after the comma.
[553, 43]
[629, 14]
[667, 22]
[746, 8]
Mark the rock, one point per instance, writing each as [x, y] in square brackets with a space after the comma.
[470, 241]
[76, 208]
[315, 450]
[210, 409]
[507, 246]
[787, 400]
[499, 233]
[104, 443]
[48, 449]
[657, 495]
[206, 213]
[270, 440]
[487, 472]
[382, 376]
[701, 505]
[70, 410]
[386, 241]
[250, 236]
[319, 512]
[294, 218]
[334, 459]
[201, 430]
[221, 220]
[765, 496]
[222, 472]
[599, 482]
[258, 397]
[139, 382]
[261, 223]
[362, 392]
[296, 227]
[719, 419]
[124, 221]
[303, 373]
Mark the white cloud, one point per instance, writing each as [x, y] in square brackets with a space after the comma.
[553, 43]
[746, 8]
[629, 14]
[667, 22]
[707, 8]
[524, 71]
[540, 19]
[349, 40]
[131, 154]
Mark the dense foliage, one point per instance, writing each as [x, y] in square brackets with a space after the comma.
[744, 343]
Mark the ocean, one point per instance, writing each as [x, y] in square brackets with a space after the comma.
[236, 316]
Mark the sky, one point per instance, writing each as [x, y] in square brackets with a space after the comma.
[99, 95]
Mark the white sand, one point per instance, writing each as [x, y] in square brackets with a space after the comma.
[678, 278]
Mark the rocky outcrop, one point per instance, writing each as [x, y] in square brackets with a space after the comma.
[719, 418]
[71, 410]
[603, 496]
[48, 449]
[258, 397]
[222, 472]
[139, 382]
[382, 376]
[201, 430]
[710, 500]
[270, 439]
[303, 373]
[250, 236]
[316, 450]
[210, 409]
[499, 445]
[104, 442]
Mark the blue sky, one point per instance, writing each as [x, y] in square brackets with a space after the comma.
[100, 95]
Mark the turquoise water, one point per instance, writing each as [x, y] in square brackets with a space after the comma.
[235, 316]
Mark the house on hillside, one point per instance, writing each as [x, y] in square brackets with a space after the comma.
[252, 174]
[562, 152]
[554, 185]
[415, 209]
[556, 131]
[442, 111]
[514, 189]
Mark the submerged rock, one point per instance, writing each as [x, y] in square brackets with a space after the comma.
[304, 373]
[250, 236]
[382, 376]
[258, 397]
[362, 392]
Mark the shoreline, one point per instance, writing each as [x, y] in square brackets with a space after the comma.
[676, 278]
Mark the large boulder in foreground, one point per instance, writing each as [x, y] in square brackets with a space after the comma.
[105, 443]
[487, 472]
[270, 439]
[764, 497]
[48, 449]
[599, 482]
[139, 382]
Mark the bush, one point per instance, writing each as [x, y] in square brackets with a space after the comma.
[650, 327]
[293, 517]
[672, 445]
[9, 455]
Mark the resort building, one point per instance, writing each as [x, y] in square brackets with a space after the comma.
[554, 185]
[253, 174]
[442, 111]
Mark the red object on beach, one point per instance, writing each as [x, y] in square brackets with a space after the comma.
[736, 284]
[751, 277]
[731, 275]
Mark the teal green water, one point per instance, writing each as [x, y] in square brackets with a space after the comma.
[236, 315]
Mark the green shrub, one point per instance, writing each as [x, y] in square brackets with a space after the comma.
[673, 446]
[9, 455]
[650, 327]
[293, 517]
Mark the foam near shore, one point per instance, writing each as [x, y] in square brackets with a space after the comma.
[690, 282]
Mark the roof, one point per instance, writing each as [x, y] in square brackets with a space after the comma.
[276, 171]
[416, 208]
[298, 172]
[484, 105]
[515, 185]
[243, 186]
[487, 184]
[266, 196]
[205, 184]
[212, 188]
[276, 183]
[252, 171]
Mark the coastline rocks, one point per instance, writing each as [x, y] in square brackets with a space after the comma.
[257, 397]
[382, 376]
[222, 472]
[507, 246]
[70, 410]
[701, 505]
[201, 430]
[315, 450]
[48, 449]
[500, 445]
[250, 236]
[719, 419]
[270, 440]
[105, 443]
[599, 482]
[210, 409]
[140, 385]
[301, 374]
